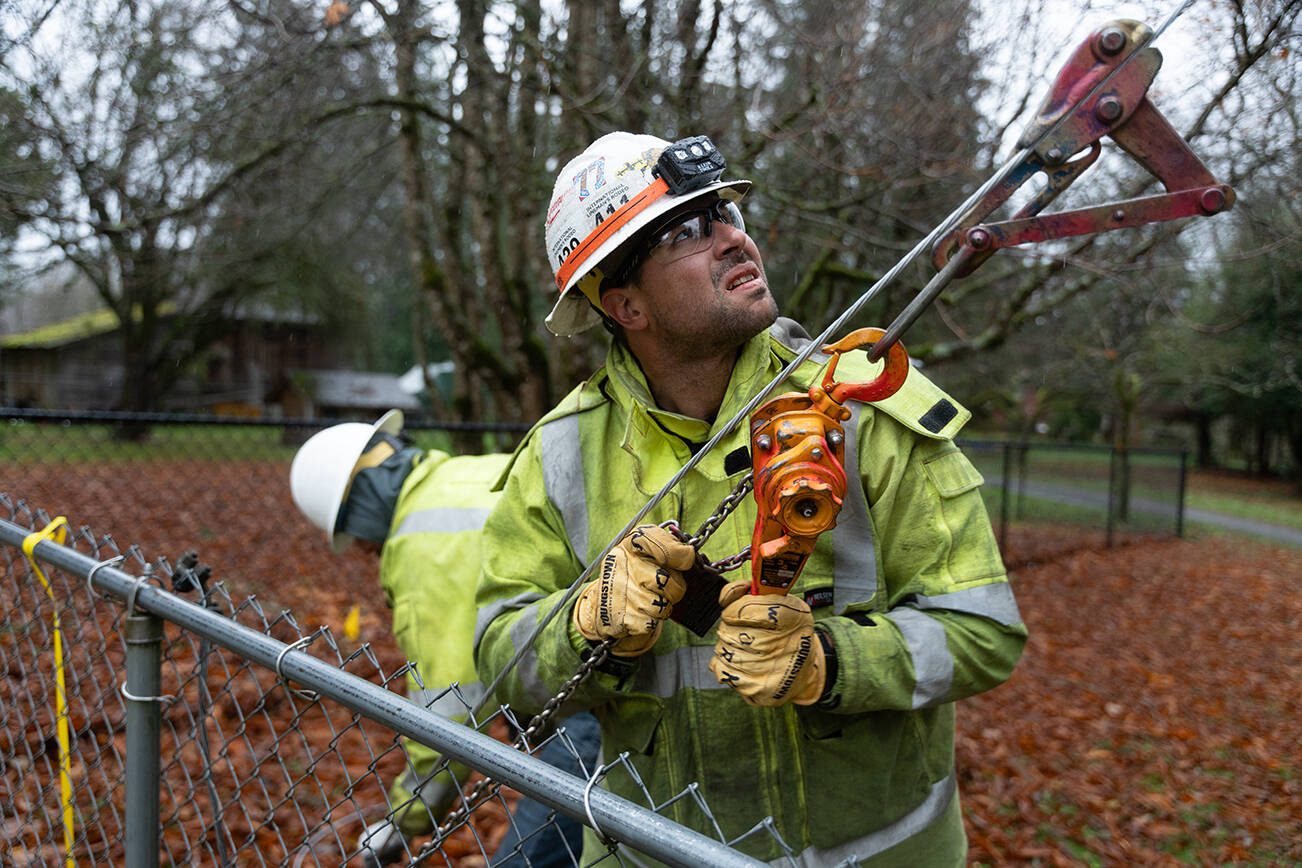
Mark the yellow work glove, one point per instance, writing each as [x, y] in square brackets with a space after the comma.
[767, 650]
[640, 580]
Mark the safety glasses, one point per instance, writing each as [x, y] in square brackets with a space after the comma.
[688, 232]
[679, 236]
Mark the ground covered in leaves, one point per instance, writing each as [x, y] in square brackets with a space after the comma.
[1154, 717]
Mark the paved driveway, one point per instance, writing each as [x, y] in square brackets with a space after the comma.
[1074, 496]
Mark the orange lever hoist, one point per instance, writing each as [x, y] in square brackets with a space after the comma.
[797, 448]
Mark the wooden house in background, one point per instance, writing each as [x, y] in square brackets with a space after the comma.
[268, 363]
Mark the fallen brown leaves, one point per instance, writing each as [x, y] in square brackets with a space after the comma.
[1154, 717]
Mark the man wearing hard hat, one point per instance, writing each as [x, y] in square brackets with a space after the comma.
[422, 512]
[829, 709]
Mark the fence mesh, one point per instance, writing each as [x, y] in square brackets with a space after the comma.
[1093, 495]
[168, 482]
[173, 482]
[255, 770]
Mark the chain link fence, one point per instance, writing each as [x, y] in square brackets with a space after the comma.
[255, 769]
[1093, 495]
[211, 730]
[169, 481]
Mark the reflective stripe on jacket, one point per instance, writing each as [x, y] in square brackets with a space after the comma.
[428, 569]
[920, 611]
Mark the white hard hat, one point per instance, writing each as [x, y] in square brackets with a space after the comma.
[323, 469]
[602, 199]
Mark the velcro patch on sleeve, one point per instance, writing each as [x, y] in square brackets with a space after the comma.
[736, 461]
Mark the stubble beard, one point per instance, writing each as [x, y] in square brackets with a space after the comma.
[725, 328]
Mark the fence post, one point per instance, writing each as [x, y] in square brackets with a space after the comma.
[1022, 448]
[1179, 501]
[1003, 500]
[144, 637]
[1112, 493]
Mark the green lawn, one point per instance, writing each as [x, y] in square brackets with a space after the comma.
[1043, 510]
[1154, 477]
[1039, 509]
[53, 442]
[1271, 502]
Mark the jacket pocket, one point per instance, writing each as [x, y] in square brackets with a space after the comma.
[952, 474]
[861, 775]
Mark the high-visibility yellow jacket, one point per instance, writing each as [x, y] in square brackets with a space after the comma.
[428, 568]
[909, 583]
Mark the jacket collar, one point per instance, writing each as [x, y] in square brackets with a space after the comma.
[651, 430]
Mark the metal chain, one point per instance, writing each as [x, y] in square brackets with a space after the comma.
[480, 792]
[716, 518]
[596, 657]
[488, 788]
[469, 802]
[725, 509]
[732, 562]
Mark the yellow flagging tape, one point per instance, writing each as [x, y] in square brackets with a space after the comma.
[57, 531]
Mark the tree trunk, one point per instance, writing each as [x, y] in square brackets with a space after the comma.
[1295, 448]
[1262, 449]
[139, 391]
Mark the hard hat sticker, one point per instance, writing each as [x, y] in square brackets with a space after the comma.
[642, 164]
[596, 171]
[606, 206]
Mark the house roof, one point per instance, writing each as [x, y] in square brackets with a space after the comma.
[413, 382]
[98, 322]
[69, 331]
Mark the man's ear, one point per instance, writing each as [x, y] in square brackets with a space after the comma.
[623, 304]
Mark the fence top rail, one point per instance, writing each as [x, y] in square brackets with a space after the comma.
[628, 822]
[1045, 445]
[125, 417]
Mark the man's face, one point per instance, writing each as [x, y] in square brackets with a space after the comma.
[714, 299]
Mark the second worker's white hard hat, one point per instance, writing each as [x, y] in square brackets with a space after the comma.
[324, 466]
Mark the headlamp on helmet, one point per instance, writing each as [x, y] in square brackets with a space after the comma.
[690, 164]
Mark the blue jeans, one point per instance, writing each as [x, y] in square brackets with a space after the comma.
[533, 838]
